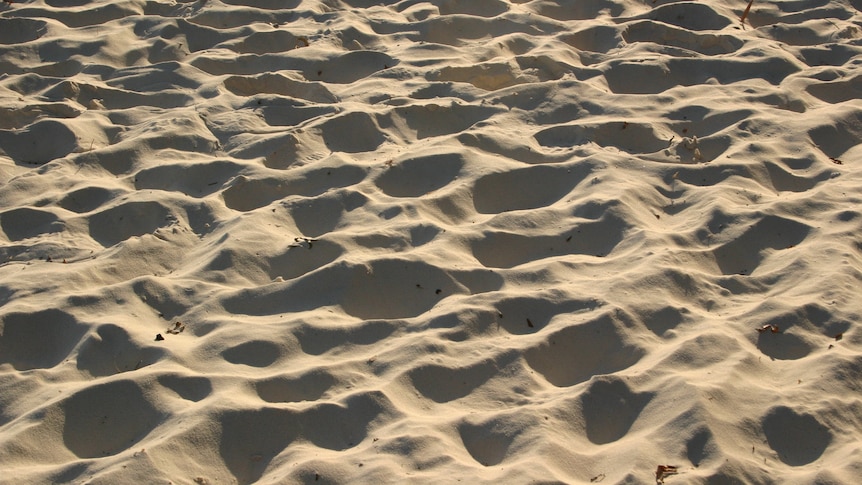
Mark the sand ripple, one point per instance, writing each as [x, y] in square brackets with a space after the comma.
[350, 241]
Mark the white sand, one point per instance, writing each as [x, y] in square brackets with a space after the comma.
[477, 241]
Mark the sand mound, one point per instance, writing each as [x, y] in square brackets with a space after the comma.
[350, 241]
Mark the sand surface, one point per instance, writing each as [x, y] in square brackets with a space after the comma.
[476, 241]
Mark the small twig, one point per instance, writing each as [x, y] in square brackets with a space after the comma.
[299, 240]
[745, 13]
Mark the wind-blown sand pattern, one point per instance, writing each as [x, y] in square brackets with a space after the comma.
[479, 241]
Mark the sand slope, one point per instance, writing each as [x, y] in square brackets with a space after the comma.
[443, 241]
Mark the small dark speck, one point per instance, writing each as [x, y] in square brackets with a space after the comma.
[319, 73]
[529, 323]
[568, 238]
[438, 291]
[159, 337]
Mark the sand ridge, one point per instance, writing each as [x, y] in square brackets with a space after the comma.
[429, 241]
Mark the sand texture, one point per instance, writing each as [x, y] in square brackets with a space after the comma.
[430, 241]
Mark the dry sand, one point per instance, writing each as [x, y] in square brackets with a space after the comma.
[477, 241]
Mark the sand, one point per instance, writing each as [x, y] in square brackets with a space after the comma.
[479, 241]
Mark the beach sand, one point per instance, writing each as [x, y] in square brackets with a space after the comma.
[479, 241]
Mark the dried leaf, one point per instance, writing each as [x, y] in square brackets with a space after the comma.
[177, 328]
[663, 471]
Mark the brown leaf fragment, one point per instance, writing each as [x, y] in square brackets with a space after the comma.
[663, 471]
